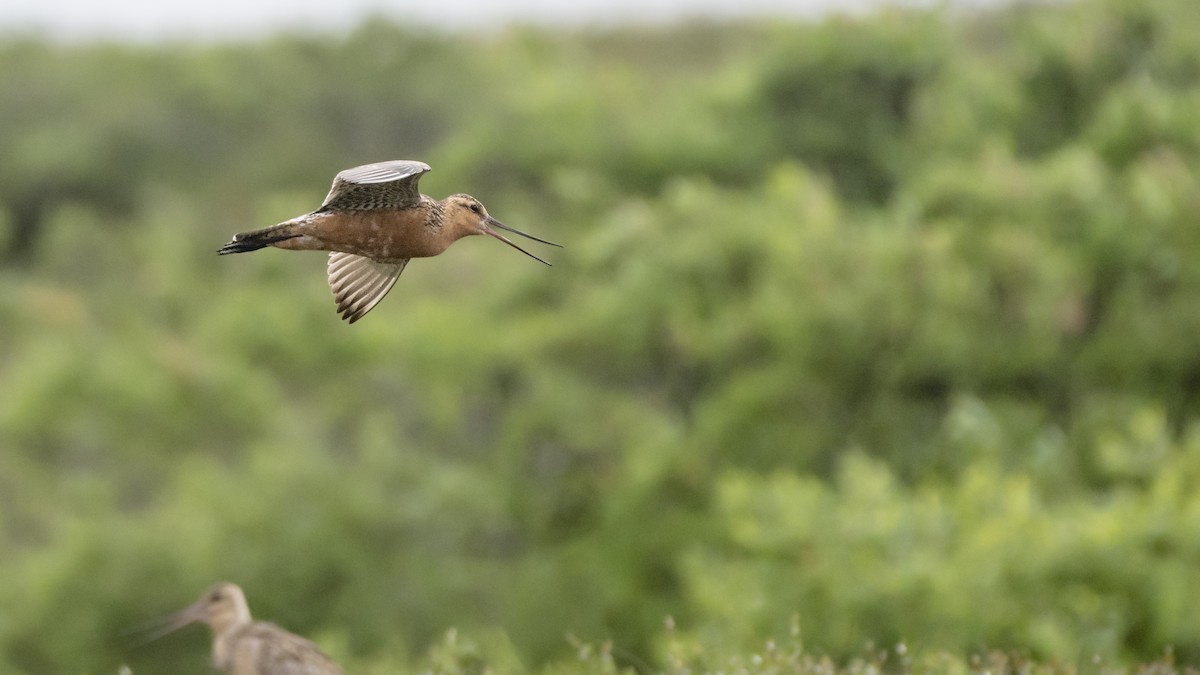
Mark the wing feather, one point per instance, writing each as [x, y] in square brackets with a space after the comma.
[359, 283]
[267, 649]
[384, 185]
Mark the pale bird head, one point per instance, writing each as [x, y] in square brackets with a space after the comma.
[467, 216]
[221, 607]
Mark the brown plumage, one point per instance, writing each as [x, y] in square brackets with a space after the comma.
[373, 221]
[245, 647]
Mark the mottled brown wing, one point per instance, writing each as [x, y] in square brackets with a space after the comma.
[359, 283]
[386, 185]
[278, 652]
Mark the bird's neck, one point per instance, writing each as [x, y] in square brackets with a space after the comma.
[453, 223]
[223, 645]
[224, 627]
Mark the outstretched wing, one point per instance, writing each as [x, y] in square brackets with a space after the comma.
[386, 185]
[359, 283]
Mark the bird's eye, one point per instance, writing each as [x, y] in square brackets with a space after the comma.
[475, 208]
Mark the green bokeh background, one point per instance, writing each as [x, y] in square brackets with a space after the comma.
[873, 330]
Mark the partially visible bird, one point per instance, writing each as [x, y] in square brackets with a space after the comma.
[245, 647]
[373, 221]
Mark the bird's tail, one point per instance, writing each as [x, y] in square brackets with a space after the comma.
[256, 239]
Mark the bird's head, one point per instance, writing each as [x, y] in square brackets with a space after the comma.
[222, 607]
[466, 216]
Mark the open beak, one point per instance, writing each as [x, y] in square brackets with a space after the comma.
[156, 629]
[491, 223]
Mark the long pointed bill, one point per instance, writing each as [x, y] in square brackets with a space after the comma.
[492, 222]
[495, 223]
[166, 625]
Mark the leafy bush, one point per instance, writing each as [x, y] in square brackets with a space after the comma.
[881, 330]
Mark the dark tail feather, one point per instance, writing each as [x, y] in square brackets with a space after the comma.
[252, 241]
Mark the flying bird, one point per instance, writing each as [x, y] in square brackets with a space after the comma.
[245, 647]
[373, 221]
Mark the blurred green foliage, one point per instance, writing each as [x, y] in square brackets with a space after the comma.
[879, 330]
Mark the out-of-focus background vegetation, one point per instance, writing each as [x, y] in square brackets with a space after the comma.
[875, 330]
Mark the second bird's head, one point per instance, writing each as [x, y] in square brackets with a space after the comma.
[221, 607]
[466, 216]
